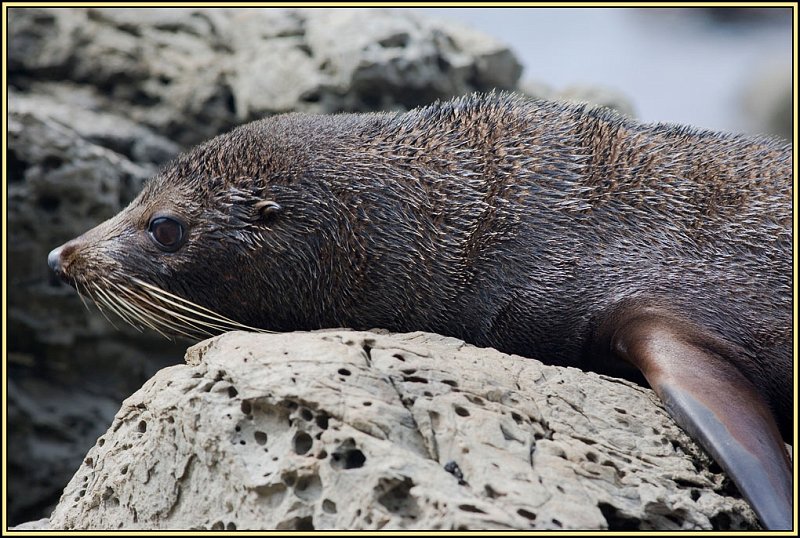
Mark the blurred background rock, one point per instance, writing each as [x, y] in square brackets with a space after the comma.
[100, 98]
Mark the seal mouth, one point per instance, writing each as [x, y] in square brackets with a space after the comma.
[144, 305]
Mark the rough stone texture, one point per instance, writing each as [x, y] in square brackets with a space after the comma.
[191, 73]
[98, 99]
[358, 430]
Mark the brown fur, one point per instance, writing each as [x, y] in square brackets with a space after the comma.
[509, 223]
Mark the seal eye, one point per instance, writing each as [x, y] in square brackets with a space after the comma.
[167, 233]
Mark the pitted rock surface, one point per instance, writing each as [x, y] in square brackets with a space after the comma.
[360, 430]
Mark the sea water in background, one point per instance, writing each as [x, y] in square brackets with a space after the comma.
[716, 68]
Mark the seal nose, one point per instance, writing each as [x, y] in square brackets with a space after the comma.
[54, 259]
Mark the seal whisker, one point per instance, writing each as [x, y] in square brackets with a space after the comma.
[80, 295]
[101, 301]
[154, 319]
[151, 320]
[187, 323]
[132, 317]
[114, 303]
[159, 294]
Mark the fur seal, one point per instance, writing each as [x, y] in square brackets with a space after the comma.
[548, 230]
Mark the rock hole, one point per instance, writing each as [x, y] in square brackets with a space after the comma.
[397, 496]
[322, 421]
[620, 411]
[491, 492]
[460, 411]
[218, 526]
[618, 521]
[347, 456]
[354, 459]
[477, 400]
[289, 478]
[366, 404]
[409, 371]
[399, 357]
[124, 469]
[328, 506]
[517, 417]
[232, 392]
[344, 371]
[591, 456]
[322, 455]
[304, 524]
[450, 382]
[311, 97]
[101, 442]
[694, 494]
[302, 443]
[526, 514]
[247, 408]
[399, 40]
[414, 379]
[306, 415]
[142, 427]
[557, 523]
[51, 162]
[721, 521]
[231, 526]
[260, 437]
[470, 508]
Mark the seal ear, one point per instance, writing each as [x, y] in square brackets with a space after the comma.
[694, 374]
[267, 208]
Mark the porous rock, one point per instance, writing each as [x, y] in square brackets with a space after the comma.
[359, 430]
[99, 98]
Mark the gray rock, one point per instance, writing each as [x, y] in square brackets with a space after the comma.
[98, 99]
[189, 74]
[38, 525]
[358, 430]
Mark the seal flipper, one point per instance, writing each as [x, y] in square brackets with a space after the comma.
[708, 396]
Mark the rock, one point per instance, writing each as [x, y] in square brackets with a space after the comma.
[98, 99]
[189, 74]
[38, 525]
[358, 430]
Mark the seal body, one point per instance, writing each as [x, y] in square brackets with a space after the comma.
[537, 228]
